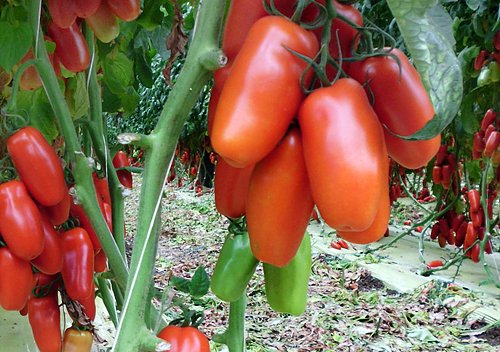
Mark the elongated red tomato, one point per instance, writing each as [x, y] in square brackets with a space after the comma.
[86, 8]
[100, 262]
[20, 221]
[345, 155]
[253, 116]
[102, 188]
[185, 339]
[50, 261]
[62, 12]
[78, 267]
[16, 280]
[45, 320]
[30, 79]
[402, 104]
[37, 165]
[59, 213]
[127, 10]
[377, 229]
[104, 24]
[279, 202]
[220, 77]
[71, 47]
[78, 212]
[121, 160]
[231, 188]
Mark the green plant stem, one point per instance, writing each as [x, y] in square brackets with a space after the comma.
[192, 78]
[108, 300]
[234, 336]
[77, 161]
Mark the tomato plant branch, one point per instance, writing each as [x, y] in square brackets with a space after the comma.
[182, 97]
[234, 336]
[108, 300]
[76, 159]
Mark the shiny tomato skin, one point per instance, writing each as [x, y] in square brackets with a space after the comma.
[185, 339]
[45, 320]
[30, 79]
[127, 10]
[86, 8]
[77, 340]
[78, 212]
[345, 155]
[16, 280]
[37, 165]
[78, 267]
[220, 77]
[89, 306]
[121, 160]
[103, 23]
[20, 221]
[62, 12]
[100, 262]
[59, 213]
[71, 47]
[102, 188]
[377, 229]
[402, 104]
[252, 117]
[279, 202]
[50, 261]
[231, 188]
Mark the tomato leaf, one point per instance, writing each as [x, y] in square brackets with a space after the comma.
[151, 15]
[199, 283]
[42, 115]
[426, 28]
[15, 41]
[143, 69]
[180, 283]
[76, 96]
[118, 72]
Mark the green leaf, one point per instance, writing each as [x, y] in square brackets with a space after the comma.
[180, 283]
[422, 334]
[151, 16]
[426, 28]
[143, 69]
[129, 100]
[199, 283]
[15, 41]
[110, 102]
[42, 115]
[118, 71]
[76, 96]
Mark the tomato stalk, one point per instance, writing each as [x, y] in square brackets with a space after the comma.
[234, 336]
[132, 334]
[108, 300]
[81, 171]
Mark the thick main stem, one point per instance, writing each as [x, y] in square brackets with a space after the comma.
[234, 336]
[183, 96]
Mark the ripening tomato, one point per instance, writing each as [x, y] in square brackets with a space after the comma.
[231, 188]
[345, 155]
[62, 12]
[85, 8]
[71, 47]
[127, 10]
[45, 320]
[20, 221]
[279, 202]
[50, 261]
[77, 340]
[104, 24]
[30, 79]
[16, 280]
[220, 77]
[185, 339]
[78, 267]
[37, 165]
[401, 103]
[252, 117]
[121, 160]
[59, 213]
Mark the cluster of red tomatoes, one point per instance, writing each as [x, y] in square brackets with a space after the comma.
[488, 63]
[283, 152]
[41, 252]
[487, 139]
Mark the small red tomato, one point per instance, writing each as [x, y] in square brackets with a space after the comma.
[71, 47]
[343, 244]
[50, 261]
[185, 339]
[121, 160]
[127, 10]
[59, 213]
[45, 320]
[489, 118]
[480, 59]
[335, 245]
[434, 264]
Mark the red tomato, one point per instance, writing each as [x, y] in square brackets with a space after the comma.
[30, 79]
[253, 117]
[16, 280]
[59, 213]
[45, 320]
[460, 234]
[480, 59]
[102, 188]
[345, 155]
[496, 40]
[104, 24]
[377, 229]
[20, 221]
[71, 47]
[492, 143]
[85, 8]
[231, 188]
[50, 261]
[335, 245]
[279, 202]
[44, 284]
[470, 235]
[437, 175]
[489, 118]
[474, 253]
[100, 262]
[78, 267]
[89, 306]
[127, 10]
[434, 264]
[121, 160]
[37, 165]
[474, 200]
[62, 12]
[402, 104]
[220, 77]
[78, 212]
[108, 216]
[185, 339]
